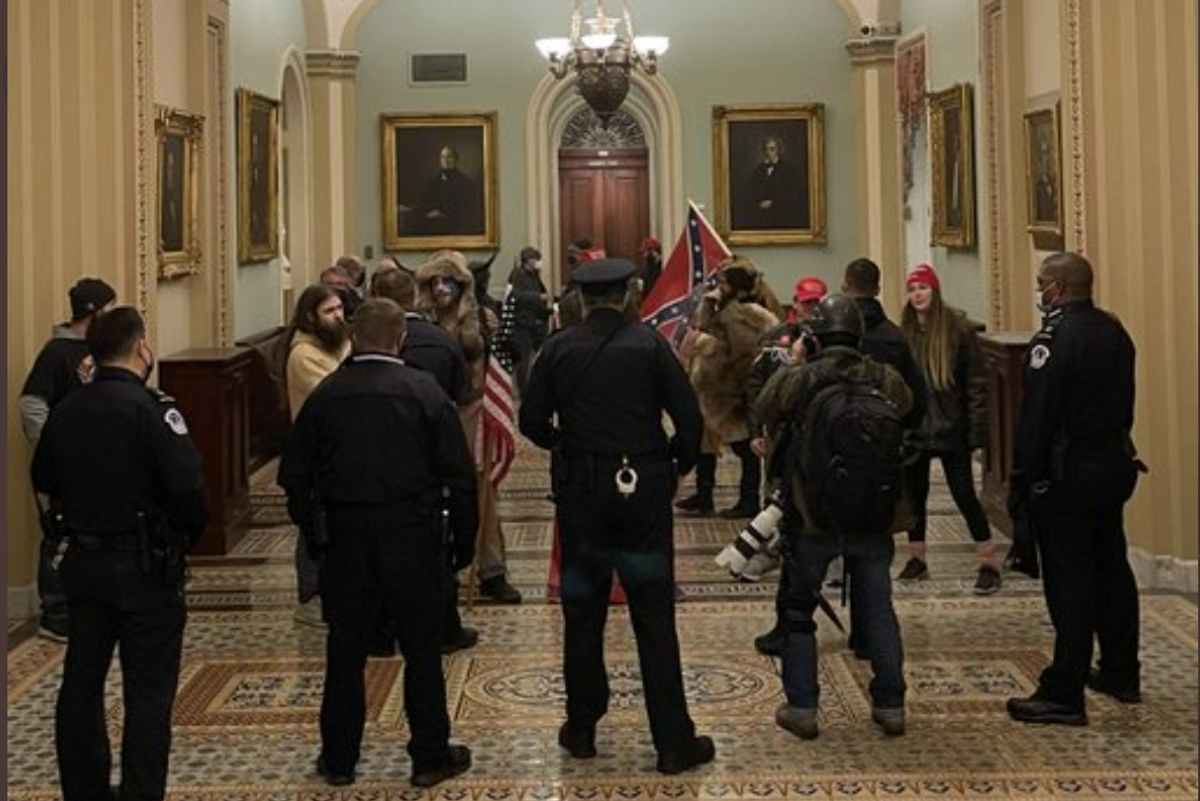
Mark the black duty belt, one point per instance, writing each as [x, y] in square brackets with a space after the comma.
[104, 543]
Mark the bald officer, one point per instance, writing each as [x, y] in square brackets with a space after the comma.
[595, 398]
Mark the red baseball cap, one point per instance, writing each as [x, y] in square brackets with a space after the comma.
[809, 288]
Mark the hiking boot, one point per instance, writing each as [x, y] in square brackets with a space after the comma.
[771, 643]
[914, 570]
[458, 759]
[891, 720]
[1125, 692]
[700, 751]
[759, 565]
[499, 590]
[53, 630]
[988, 582]
[332, 778]
[700, 504]
[580, 741]
[465, 637]
[799, 721]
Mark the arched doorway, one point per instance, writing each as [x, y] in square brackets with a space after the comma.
[604, 184]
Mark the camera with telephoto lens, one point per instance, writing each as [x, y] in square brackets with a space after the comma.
[759, 533]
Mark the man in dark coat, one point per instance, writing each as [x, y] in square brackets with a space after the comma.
[385, 549]
[596, 397]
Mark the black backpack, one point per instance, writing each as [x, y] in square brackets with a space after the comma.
[849, 458]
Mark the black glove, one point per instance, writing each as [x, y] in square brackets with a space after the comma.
[463, 557]
[1018, 496]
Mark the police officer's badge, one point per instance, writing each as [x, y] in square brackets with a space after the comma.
[1038, 356]
[174, 421]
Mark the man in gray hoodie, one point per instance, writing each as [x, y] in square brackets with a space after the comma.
[62, 365]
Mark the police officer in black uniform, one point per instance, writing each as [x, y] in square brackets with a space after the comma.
[126, 501]
[1074, 468]
[595, 398]
[373, 452]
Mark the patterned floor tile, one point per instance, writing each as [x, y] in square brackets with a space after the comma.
[246, 713]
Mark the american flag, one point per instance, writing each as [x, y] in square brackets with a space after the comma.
[677, 291]
[499, 428]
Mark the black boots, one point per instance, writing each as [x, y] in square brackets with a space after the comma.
[701, 503]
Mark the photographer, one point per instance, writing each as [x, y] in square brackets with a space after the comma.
[126, 501]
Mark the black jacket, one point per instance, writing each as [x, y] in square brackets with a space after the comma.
[114, 448]
[611, 404]
[380, 432]
[955, 417]
[1077, 396]
[884, 342]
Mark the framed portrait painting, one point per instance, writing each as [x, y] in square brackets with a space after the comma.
[952, 149]
[180, 138]
[439, 181]
[258, 176]
[1043, 177]
[768, 173]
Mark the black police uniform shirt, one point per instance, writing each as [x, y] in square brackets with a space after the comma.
[431, 348]
[115, 448]
[613, 406]
[379, 431]
[1078, 382]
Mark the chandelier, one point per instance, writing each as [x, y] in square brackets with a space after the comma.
[602, 57]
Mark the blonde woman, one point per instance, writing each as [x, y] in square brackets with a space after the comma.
[955, 422]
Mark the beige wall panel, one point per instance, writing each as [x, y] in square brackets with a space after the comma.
[72, 209]
[1141, 234]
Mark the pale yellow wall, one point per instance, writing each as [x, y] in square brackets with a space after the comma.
[1138, 136]
[1126, 75]
[76, 156]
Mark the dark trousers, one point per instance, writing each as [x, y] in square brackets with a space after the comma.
[957, 467]
[383, 563]
[112, 603]
[1089, 586]
[751, 480]
[51, 594]
[601, 531]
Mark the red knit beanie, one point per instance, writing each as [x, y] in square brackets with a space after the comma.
[923, 273]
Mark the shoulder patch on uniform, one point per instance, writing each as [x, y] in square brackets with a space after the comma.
[174, 420]
[1039, 356]
[161, 396]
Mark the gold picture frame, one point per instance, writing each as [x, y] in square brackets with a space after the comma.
[180, 136]
[952, 154]
[1043, 177]
[769, 173]
[258, 177]
[439, 181]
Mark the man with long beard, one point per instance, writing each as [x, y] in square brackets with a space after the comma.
[318, 341]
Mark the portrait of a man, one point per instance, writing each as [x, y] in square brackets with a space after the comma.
[258, 170]
[952, 157]
[1043, 176]
[449, 201]
[774, 194]
[768, 173]
[179, 134]
[171, 182]
[439, 181]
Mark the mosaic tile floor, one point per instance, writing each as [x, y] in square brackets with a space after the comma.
[245, 721]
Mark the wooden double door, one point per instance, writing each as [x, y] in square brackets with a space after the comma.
[604, 196]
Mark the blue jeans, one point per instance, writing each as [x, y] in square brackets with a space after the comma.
[869, 563]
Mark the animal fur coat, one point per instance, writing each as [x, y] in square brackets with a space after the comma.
[722, 357]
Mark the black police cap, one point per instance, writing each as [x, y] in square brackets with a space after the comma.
[594, 276]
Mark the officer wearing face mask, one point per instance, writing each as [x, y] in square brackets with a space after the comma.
[1074, 468]
[125, 503]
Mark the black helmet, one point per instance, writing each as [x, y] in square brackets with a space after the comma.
[837, 321]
